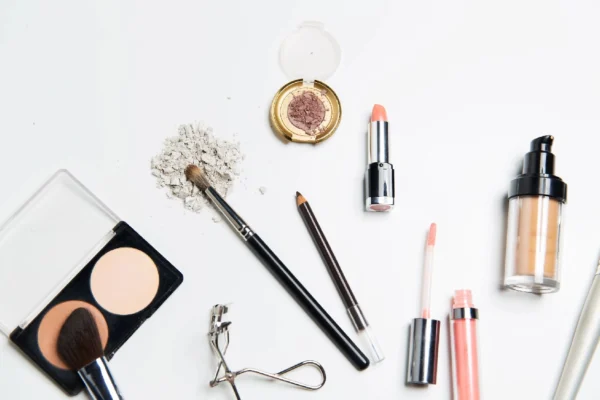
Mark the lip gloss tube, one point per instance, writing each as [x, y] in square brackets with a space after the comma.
[465, 354]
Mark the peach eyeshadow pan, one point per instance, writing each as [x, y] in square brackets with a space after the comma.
[124, 281]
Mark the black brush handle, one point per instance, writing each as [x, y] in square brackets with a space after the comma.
[308, 303]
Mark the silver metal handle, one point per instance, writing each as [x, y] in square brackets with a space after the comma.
[585, 340]
[279, 376]
[99, 381]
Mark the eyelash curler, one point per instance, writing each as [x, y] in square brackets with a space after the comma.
[219, 341]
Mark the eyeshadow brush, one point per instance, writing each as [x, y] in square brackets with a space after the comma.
[194, 174]
[80, 347]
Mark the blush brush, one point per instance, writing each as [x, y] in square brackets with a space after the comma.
[80, 347]
[194, 174]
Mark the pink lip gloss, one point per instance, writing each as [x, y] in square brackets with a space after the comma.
[465, 354]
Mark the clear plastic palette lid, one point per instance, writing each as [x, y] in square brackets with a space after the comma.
[310, 53]
[45, 243]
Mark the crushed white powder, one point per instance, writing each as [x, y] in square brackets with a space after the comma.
[262, 190]
[195, 144]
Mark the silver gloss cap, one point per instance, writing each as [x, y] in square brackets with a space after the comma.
[423, 351]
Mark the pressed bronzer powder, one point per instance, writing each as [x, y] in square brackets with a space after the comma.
[52, 324]
[306, 110]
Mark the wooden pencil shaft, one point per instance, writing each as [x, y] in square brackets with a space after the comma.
[335, 271]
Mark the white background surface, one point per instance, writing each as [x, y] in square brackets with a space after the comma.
[96, 87]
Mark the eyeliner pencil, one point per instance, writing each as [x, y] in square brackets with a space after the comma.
[194, 174]
[337, 275]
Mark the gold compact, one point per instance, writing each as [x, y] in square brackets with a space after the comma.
[306, 110]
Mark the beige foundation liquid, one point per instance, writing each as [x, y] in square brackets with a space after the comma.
[537, 246]
[536, 200]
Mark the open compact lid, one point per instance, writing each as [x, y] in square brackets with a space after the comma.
[310, 53]
[44, 245]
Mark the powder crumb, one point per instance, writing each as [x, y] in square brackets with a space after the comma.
[262, 190]
[216, 219]
[306, 111]
[195, 144]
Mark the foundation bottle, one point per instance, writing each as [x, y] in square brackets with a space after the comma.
[535, 206]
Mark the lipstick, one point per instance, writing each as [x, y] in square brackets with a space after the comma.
[379, 179]
[465, 354]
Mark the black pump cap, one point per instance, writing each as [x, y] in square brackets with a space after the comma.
[538, 177]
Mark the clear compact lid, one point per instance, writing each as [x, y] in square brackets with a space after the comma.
[45, 243]
[310, 53]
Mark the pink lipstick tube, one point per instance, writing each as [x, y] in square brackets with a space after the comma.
[465, 353]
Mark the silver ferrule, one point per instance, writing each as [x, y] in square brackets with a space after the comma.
[99, 381]
[378, 142]
[465, 313]
[358, 318]
[230, 215]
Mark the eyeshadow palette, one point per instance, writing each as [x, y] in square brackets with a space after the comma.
[64, 250]
[306, 109]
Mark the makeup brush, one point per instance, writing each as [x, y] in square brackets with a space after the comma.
[280, 271]
[80, 347]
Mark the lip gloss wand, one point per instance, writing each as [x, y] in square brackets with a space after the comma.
[424, 331]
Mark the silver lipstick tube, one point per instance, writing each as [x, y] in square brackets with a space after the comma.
[99, 381]
[379, 179]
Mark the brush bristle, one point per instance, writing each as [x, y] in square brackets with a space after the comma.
[195, 175]
[79, 340]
